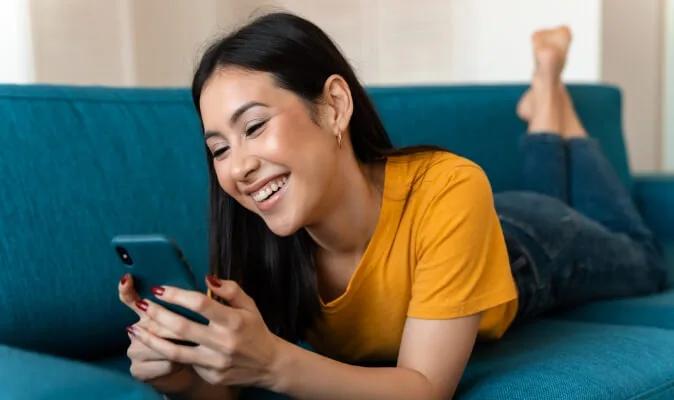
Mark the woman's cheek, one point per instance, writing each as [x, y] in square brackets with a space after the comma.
[227, 183]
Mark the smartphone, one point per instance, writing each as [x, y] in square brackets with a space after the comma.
[156, 260]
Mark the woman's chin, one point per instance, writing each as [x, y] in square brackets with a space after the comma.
[282, 228]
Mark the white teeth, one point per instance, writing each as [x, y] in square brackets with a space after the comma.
[269, 189]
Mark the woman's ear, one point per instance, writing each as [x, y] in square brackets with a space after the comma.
[337, 98]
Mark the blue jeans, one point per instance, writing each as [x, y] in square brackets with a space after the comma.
[573, 233]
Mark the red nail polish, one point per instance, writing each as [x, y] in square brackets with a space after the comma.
[142, 304]
[130, 331]
[124, 279]
[158, 290]
[213, 281]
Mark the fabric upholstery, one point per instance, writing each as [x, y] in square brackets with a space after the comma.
[564, 360]
[654, 195]
[81, 165]
[28, 375]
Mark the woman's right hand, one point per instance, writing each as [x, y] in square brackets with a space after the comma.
[146, 364]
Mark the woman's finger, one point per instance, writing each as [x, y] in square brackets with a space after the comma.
[157, 329]
[197, 355]
[149, 370]
[179, 326]
[127, 293]
[200, 303]
[231, 292]
[139, 352]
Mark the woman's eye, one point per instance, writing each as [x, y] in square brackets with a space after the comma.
[254, 127]
[220, 151]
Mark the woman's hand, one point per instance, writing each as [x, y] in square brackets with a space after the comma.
[236, 348]
[148, 365]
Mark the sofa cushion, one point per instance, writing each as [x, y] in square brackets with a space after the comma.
[83, 165]
[552, 359]
[29, 375]
[479, 122]
[565, 360]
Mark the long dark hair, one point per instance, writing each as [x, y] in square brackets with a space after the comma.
[279, 272]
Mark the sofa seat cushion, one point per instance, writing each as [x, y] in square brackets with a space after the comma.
[120, 364]
[29, 375]
[551, 359]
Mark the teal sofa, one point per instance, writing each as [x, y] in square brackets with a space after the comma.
[79, 165]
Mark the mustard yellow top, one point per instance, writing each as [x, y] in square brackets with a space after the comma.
[438, 252]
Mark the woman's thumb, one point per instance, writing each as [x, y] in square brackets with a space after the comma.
[230, 292]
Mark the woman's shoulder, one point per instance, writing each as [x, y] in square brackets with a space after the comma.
[432, 171]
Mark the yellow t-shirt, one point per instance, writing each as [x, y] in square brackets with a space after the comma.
[438, 252]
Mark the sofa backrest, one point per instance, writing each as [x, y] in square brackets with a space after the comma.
[82, 164]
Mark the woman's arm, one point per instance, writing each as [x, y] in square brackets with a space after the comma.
[432, 358]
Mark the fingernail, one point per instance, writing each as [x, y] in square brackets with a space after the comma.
[158, 290]
[142, 304]
[213, 281]
[130, 330]
[124, 279]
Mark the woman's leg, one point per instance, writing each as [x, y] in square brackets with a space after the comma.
[544, 159]
[563, 257]
[595, 189]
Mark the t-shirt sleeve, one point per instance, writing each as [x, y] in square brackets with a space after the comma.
[462, 262]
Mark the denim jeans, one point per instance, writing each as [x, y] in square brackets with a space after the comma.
[573, 233]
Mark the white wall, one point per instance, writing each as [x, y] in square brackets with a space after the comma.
[491, 38]
[15, 42]
[450, 41]
[388, 41]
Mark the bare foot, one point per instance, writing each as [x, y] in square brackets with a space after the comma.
[550, 48]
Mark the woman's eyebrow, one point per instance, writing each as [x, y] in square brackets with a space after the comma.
[239, 111]
[210, 134]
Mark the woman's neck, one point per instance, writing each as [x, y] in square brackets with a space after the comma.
[350, 221]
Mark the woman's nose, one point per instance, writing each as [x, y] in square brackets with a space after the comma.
[243, 165]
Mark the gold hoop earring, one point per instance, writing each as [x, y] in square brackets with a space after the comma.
[339, 140]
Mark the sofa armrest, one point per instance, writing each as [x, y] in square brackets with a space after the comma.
[654, 196]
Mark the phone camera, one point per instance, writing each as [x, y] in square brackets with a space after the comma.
[124, 255]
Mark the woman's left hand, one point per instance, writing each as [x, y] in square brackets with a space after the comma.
[235, 348]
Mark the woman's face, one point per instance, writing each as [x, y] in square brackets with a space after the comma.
[268, 152]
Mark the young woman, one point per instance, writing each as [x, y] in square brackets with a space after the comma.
[322, 231]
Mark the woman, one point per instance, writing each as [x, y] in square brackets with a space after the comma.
[370, 253]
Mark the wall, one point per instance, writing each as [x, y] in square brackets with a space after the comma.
[668, 88]
[15, 42]
[82, 42]
[155, 42]
[632, 57]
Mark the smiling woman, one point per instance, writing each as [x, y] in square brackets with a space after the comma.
[321, 230]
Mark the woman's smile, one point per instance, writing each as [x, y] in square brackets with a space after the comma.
[270, 193]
